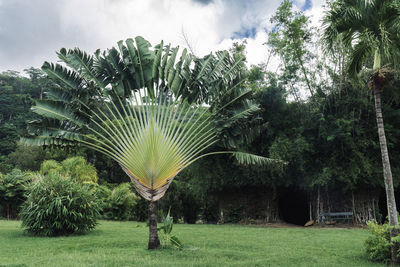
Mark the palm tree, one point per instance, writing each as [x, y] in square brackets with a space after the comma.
[143, 108]
[371, 31]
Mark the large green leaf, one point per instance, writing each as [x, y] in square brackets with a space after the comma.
[56, 110]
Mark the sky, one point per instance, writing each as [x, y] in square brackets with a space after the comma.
[31, 31]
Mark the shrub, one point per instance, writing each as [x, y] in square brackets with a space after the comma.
[57, 205]
[117, 204]
[49, 166]
[75, 167]
[13, 187]
[377, 246]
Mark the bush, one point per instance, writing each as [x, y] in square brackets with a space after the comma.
[117, 204]
[377, 246]
[49, 166]
[13, 187]
[57, 205]
[75, 167]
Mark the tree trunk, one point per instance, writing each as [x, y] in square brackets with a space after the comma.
[8, 212]
[387, 173]
[354, 207]
[318, 204]
[154, 242]
[303, 69]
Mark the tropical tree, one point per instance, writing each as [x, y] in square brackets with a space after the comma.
[13, 188]
[143, 108]
[290, 40]
[371, 29]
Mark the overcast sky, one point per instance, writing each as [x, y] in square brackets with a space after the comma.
[32, 30]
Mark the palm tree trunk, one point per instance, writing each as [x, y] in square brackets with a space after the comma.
[387, 174]
[154, 241]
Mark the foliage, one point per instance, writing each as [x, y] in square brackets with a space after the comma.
[14, 109]
[75, 167]
[27, 157]
[16, 94]
[57, 205]
[168, 239]
[13, 187]
[377, 245]
[49, 166]
[369, 28]
[118, 203]
[291, 41]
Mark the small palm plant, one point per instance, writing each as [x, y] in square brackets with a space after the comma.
[142, 108]
[166, 229]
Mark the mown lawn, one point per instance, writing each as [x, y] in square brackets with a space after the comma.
[124, 244]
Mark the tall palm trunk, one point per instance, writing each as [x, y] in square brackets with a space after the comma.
[154, 241]
[387, 172]
[387, 175]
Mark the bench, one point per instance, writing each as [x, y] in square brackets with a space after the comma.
[343, 216]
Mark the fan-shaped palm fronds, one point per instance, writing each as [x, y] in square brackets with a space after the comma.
[152, 141]
[147, 120]
[143, 108]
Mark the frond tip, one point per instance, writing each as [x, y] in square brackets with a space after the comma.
[244, 158]
[251, 159]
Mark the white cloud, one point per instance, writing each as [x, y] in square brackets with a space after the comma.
[31, 32]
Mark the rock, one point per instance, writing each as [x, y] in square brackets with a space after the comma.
[309, 223]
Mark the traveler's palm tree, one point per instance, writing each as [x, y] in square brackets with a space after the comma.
[143, 108]
[371, 31]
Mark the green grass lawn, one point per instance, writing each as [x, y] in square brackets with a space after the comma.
[124, 244]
